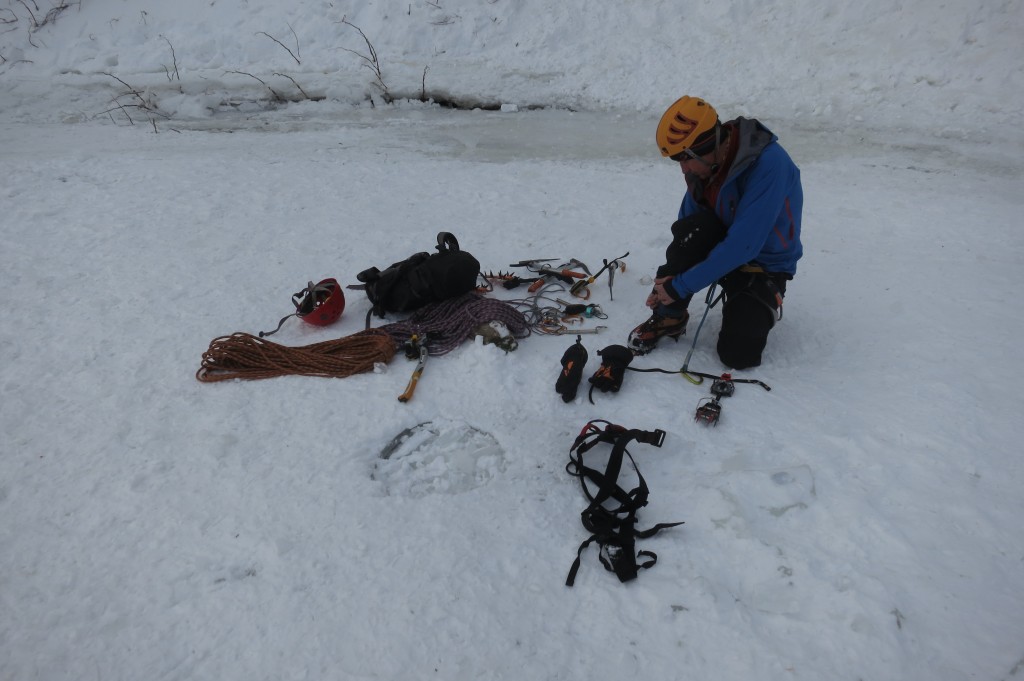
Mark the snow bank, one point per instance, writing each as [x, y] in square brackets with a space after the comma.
[952, 69]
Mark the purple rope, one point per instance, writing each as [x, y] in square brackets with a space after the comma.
[448, 323]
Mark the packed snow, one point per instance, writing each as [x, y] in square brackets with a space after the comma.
[174, 172]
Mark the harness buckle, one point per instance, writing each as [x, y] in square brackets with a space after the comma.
[655, 437]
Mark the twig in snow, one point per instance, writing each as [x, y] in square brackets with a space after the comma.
[297, 61]
[55, 12]
[35, 24]
[285, 75]
[143, 104]
[174, 60]
[371, 62]
[277, 96]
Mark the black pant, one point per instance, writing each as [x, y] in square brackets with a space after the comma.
[752, 304]
[752, 299]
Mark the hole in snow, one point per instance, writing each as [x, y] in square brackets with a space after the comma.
[438, 457]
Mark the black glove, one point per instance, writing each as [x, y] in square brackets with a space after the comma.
[569, 377]
[614, 360]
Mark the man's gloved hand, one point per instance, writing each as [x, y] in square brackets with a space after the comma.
[614, 360]
[571, 374]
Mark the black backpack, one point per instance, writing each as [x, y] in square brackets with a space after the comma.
[421, 278]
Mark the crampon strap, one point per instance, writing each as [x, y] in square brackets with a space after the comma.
[611, 515]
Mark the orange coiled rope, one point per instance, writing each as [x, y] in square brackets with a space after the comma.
[247, 357]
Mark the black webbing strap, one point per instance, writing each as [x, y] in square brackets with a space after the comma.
[613, 526]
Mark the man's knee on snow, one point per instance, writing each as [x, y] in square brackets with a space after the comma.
[746, 322]
[738, 356]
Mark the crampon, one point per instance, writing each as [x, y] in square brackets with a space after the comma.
[709, 411]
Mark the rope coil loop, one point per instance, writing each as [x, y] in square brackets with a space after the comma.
[247, 357]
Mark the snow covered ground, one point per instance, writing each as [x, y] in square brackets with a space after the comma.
[859, 521]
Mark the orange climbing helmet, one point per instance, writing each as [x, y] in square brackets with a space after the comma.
[689, 122]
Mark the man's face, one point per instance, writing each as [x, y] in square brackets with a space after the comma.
[693, 166]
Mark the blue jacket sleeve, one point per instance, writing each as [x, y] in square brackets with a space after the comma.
[761, 200]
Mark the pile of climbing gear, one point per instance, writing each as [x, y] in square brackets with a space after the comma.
[615, 361]
[451, 322]
[611, 514]
[439, 328]
[439, 292]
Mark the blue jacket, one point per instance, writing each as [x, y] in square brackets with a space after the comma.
[760, 203]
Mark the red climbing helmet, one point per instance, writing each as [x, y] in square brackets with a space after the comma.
[318, 304]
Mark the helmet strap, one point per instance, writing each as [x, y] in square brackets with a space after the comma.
[718, 143]
[713, 166]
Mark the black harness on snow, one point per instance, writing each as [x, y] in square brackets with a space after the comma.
[611, 515]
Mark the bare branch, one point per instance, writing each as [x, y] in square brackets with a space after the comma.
[174, 59]
[371, 62]
[282, 44]
[118, 105]
[5, 20]
[297, 52]
[285, 75]
[55, 12]
[143, 104]
[277, 96]
[423, 85]
[35, 23]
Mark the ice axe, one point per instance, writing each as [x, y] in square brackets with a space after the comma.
[580, 290]
[412, 347]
